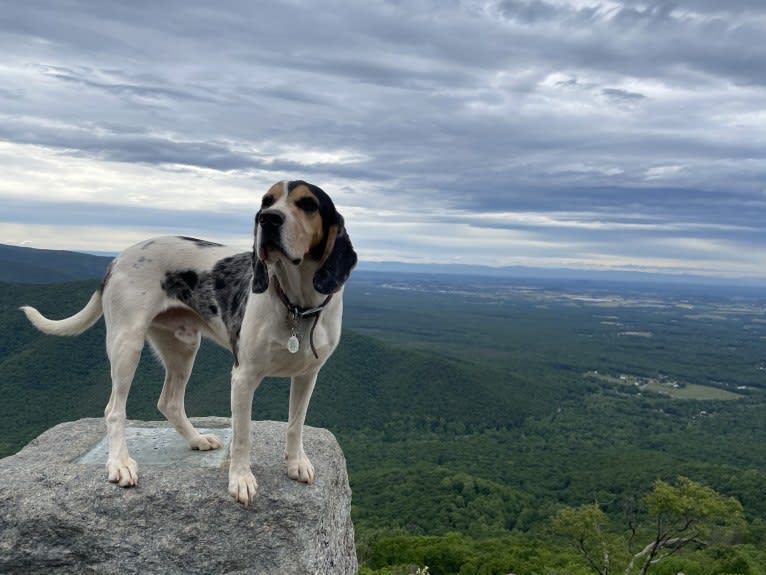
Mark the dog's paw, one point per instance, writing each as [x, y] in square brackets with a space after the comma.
[124, 472]
[300, 468]
[242, 487]
[205, 443]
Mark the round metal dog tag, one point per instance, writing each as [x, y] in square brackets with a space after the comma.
[293, 345]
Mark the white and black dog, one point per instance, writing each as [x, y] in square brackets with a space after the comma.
[277, 308]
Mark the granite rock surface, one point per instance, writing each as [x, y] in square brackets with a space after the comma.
[58, 513]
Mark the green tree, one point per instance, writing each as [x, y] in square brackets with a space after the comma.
[587, 527]
[682, 514]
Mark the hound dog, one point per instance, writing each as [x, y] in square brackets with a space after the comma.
[278, 309]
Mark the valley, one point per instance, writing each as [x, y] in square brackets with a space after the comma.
[471, 410]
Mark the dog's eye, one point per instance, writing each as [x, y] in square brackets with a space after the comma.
[307, 204]
[267, 202]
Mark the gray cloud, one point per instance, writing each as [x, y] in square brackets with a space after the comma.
[649, 111]
[622, 94]
[163, 221]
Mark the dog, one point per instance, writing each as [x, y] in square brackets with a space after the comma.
[278, 309]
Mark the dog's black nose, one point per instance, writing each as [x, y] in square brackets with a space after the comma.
[271, 219]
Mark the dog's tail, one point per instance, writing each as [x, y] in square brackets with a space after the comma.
[73, 325]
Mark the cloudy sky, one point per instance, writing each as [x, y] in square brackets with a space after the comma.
[555, 133]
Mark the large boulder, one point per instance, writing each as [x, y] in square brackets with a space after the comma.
[58, 514]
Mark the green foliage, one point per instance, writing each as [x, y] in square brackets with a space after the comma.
[586, 526]
[435, 500]
[441, 554]
[454, 554]
[468, 422]
[679, 515]
[689, 505]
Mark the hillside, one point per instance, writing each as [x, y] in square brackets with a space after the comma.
[367, 384]
[471, 410]
[28, 265]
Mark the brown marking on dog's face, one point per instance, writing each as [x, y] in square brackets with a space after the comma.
[304, 207]
[298, 221]
[272, 196]
[302, 230]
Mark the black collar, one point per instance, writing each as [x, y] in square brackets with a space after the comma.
[296, 312]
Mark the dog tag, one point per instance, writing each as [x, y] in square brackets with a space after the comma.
[293, 345]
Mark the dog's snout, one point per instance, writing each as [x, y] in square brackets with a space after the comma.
[271, 219]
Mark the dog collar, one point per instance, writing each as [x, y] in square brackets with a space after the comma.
[295, 313]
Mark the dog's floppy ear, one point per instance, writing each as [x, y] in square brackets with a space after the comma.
[337, 261]
[260, 272]
[260, 275]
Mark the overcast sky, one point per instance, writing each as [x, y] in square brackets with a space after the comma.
[555, 133]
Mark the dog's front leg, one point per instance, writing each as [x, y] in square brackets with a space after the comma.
[242, 484]
[298, 465]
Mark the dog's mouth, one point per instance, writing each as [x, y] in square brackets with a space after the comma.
[263, 254]
[274, 250]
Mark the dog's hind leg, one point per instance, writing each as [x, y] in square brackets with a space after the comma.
[177, 355]
[123, 347]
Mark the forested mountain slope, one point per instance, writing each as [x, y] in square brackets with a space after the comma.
[366, 384]
[472, 411]
[28, 265]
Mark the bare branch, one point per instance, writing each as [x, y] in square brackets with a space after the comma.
[591, 563]
[638, 555]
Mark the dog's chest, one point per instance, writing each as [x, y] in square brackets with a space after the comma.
[284, 363]
[289, 347]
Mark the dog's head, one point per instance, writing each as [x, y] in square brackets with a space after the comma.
[298, 222]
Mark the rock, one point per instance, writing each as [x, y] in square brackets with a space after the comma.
[58, 515]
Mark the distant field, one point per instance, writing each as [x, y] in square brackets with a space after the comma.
[687, 391]
[694, 391]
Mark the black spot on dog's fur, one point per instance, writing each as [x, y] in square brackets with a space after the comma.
[232, 278]
[223, 290]
[105, 281]
[200, 243]
[140, 262]
[181, 285]
[190, 278]
[235, 302]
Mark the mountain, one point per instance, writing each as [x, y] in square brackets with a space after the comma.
[28, 265]
[46, 379]
[541, 273]
[471, 410]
